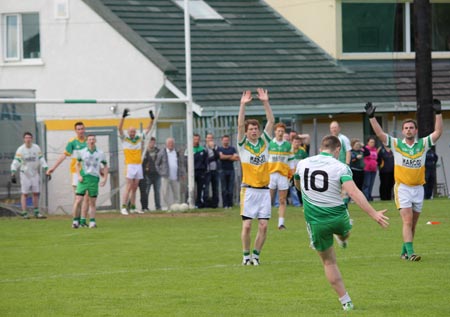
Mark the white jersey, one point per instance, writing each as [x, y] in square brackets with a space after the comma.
[29, 160]
[321, 179]
[90, 162]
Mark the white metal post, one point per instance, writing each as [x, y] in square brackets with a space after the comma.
[189, 118]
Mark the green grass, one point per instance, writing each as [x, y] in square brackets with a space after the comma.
[190, 265]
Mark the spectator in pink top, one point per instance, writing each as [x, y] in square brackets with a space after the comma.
[370, 167]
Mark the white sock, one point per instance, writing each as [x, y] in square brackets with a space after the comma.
[345, 299]
[280, 221]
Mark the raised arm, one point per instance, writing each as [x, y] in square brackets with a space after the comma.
[245, 99]
[150, 124]
[263, 95]
[370, 111]
[126, 113]
[438, 124]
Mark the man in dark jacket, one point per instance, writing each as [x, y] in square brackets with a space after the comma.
[151, 176]
[200, 169]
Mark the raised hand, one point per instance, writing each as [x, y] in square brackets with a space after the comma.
[263, 95]
[126, 113]
[152, 116]
[370, 110]
[437, 106]
[246, 97]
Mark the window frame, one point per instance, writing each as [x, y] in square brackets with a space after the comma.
[407, 53]
[6, 37]
[20, 48]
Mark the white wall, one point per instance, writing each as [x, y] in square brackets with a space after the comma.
[81, 58]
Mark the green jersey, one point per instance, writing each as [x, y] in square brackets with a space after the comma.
[90, 162]
[74, 146]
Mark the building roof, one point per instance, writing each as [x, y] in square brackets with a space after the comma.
[255, 47]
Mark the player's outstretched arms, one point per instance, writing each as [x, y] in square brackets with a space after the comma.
[361, 201]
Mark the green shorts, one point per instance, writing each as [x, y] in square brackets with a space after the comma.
[89, 184]
[321, 234]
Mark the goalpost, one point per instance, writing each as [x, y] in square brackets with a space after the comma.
[187, 100]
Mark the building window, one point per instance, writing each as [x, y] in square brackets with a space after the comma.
[200, 10]
[388, 27]
[21, 36]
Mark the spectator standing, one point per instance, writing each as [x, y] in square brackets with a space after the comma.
[370, 167]
[151, 176]
[357, 163]
[228, 156]
[386, 170]
[29, 160]
[430, 173]
[170, 167]
[212, 174]
[345, 152]
[200, 169]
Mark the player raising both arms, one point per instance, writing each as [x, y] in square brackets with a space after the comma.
[409, 171]
[253, 150]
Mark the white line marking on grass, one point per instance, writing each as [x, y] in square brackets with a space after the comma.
[182, 268]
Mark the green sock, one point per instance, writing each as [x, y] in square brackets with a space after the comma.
[76, 219]
[404, 249]
[256, 252]
[82, 221]
[124, 206]
[246, 253]
[133, 207]
[24, 213]
[91, 219]
[36, 211]
[409, 248]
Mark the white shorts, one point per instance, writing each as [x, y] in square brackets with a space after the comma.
[74, 179]
[134, 171]
[409, 196]
[255, 203]
[278, 181]
[29, 184]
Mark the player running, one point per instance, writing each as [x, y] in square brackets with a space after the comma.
[409, 171]
[29, 160]
[322, 178]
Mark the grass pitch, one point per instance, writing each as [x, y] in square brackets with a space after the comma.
[190, 265]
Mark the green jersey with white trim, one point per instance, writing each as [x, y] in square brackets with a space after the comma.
[90, 162]
[321, 179]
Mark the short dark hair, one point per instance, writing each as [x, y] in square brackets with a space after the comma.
[27, 133]
[251, 122]
[77, 124]
[90, 134]
[330, 142]
[225, 136]
[409, 121]
[152, 138]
